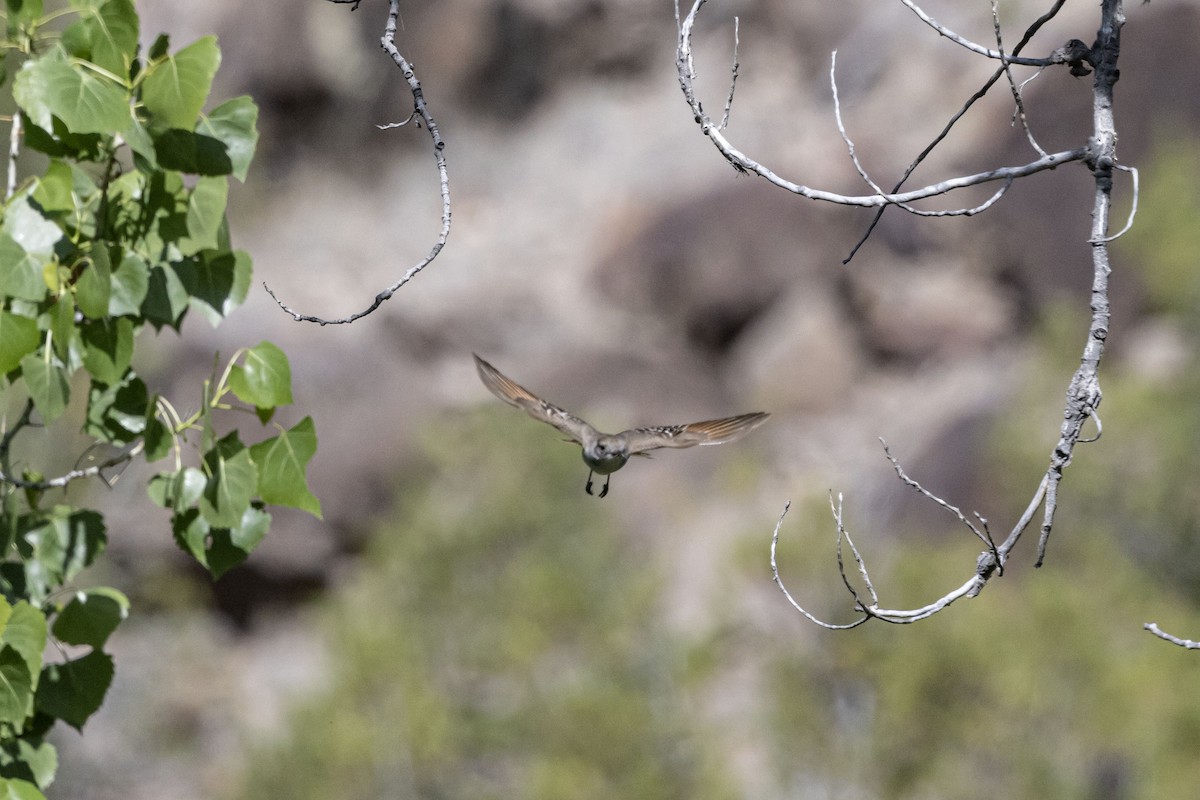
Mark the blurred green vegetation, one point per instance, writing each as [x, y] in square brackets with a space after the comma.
[506, 637]
[503, 640]
[1164, 244]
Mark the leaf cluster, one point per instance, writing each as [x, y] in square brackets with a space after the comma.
[124, 229]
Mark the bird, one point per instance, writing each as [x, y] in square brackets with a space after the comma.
[605, 453]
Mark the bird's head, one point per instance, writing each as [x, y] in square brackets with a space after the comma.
[606, 453]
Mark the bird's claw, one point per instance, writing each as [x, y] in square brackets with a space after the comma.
[588, 487]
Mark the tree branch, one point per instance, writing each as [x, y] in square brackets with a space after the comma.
[420, 111]
[1083, 394]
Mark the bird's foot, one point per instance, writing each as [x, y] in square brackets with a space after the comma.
[604, 491]
[588, 488]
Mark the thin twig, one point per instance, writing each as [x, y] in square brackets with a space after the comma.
[733, 74]
[1019, 110]
[61, 481]
[779, 582]
[941, 136]
[1185, 643]
[388, 42]
[862, 172]
[1133, 207]
[972, 46]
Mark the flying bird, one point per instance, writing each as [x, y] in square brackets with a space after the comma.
[605, 453]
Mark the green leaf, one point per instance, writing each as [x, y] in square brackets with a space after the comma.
[282, 461]
[40, 759]
[217, 280]
[18, 337]
[177, 490]
[29, 228]
[117, 413]
[108, 38]
[157, 435]
[264, 379]
[193, 153]
[60, 142]
[49, 87]
[191, 534]
[25, 632]
[55, 189]
[16, 687]
[59, 546]
[22, 14]
[205, 213]
[166, 298]
[94, 287]
[160, 47]
[130, 283]
[235, 124]
[20, 271]
[229, 547]
[91, 617]
[61, 325]
[175, 88]
[141, 143]
[17, 789]
[107, 348]
[232, 480]
[47, 383]
[74, 691]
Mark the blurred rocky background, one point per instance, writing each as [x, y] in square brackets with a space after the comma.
[466, 623]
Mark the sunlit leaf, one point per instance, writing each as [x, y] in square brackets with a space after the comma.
[94, 286]
[130, 283]
[232, 481]
[282, 461]
[49, 86]
[25, 632]
[107, 38]
[205, 213]
[264, 378]
[18, 337]
[47, 383]
[16, 686]
[20, 271]
[175, 89]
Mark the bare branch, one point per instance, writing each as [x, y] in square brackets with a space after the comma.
[421, 110]
[1133, 206]
[733, 72]
[957, 212]
[1184, 643]
[1018, 103]
[977, 48]
[903, 476]
[1029, 34]
[779, 582]
[743, 163]
[61, 481]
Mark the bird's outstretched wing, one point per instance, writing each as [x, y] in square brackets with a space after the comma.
[712, 431]
[514, 394]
